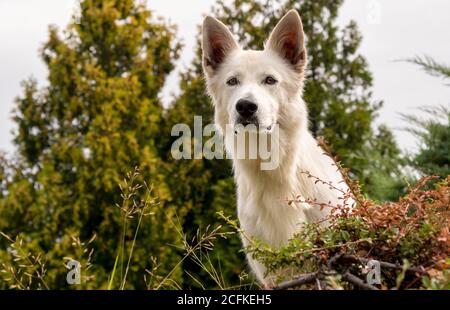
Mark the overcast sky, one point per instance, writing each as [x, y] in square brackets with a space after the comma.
[392, 30]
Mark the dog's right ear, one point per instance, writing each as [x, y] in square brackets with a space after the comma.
[288, 40]
[217, 44]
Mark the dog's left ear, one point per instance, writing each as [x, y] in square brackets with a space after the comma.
[288, 40]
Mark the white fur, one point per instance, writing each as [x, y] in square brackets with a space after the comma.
[263, 210]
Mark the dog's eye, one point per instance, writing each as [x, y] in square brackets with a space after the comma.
[270, 80]
[232, 81]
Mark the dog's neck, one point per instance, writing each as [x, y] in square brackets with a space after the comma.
[290, 151]
[287, 155]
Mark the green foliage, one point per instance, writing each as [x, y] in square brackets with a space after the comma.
[432, 67]
[439, 281]
[385, 177]
[77, 137]
[433, 133]
[433, 157]
[410, 232]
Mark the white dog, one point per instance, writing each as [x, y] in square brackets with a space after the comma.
[264, 88]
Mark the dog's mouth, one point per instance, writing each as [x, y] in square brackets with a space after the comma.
[247, 121]
[251, 125]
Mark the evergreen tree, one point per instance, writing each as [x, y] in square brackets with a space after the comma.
[79, 136]
[385, 177]
[433, 157]
[433, 133]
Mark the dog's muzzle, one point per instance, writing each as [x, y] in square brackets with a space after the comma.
[246, 110]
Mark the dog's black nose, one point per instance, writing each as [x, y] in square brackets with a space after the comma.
[246, 108]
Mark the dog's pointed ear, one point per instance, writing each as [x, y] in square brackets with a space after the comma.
[217, 43]
[288, 40]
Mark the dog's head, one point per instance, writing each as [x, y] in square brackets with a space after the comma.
[255, 87]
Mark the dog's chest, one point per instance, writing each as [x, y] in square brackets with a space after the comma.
[265, 213]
